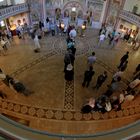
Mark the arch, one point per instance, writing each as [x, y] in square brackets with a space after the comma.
[66, 13]
[73, 4]
[58, 13]
[73, 14]
[80, 14]
[35, 16]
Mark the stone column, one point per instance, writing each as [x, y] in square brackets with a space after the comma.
[29, 12]
[9, 2]
[6, 24]
[44, 12]
[118, 14]
[105, 11]
[87, 3]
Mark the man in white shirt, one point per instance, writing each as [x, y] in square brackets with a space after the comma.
[73, 33]
[91, 60]
[101, 39]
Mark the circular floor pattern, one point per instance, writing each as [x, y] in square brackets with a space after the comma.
[67, 113]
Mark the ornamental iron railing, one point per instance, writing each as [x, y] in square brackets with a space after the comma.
[13, 10]
[130, 17]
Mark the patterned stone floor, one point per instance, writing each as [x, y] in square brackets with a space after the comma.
[43, 72]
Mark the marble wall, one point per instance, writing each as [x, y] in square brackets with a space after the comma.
[86, 9]
[114, 9]
[36, 10]
[95, 8]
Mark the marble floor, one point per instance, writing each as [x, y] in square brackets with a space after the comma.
[56, 103]
[43, 73]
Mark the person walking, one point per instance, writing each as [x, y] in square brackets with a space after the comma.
[124, 66]
[115, 40]
[123, 59]
[101, 39]
[52, 26]
[101, 79]
[91, 60]
[88, 77]
[111, 36]
[37, 44]
[73, 33]
[115, 86]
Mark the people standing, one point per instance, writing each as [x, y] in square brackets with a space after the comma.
[111, 37]
[115, 86]
[123, 59]
[115, 40]
[73, 33]
[88, 77]
[124, 66]
[102, 30]
[101, 39]
[65, 29]
[52, 27]
[47, 20]
[3, 43]
[41, 25]
[37, 44]
[91, 60]
[69, 73]
[69, 29]
[101, 79]
[68, 59]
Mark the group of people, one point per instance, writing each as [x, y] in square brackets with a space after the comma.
[69, 57]
[6, 38]
[54, 27]
[115, 36]
[14, 84]
[112, 36]
[106, 102]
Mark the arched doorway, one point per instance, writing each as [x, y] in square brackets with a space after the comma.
[80, 14]
[73, 16]
[57, 13]
[66, 13]
[75, 10]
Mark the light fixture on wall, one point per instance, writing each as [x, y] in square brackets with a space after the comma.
[2, 24]
[62, 25]
[83, 27]
[73, 9]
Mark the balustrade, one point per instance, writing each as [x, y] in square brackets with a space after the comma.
[13, 10]
[130, 17]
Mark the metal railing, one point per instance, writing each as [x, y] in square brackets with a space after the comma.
[13, 10]
[130, 17]
[19, 132]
